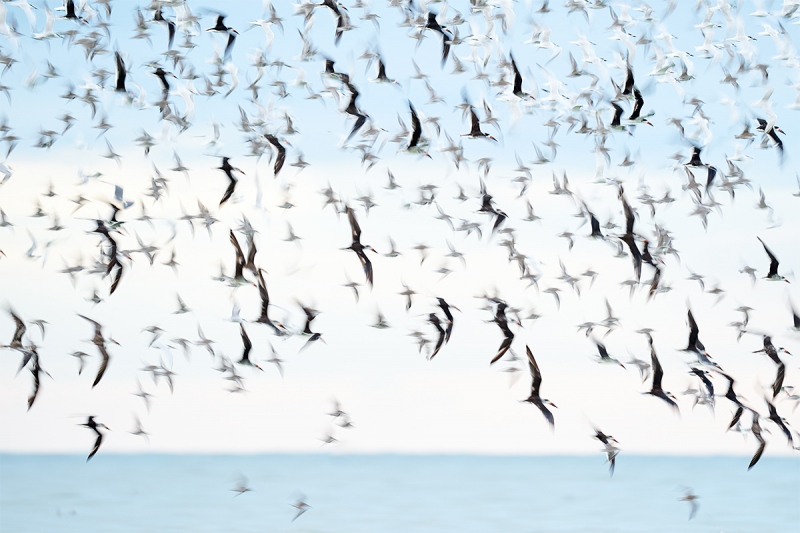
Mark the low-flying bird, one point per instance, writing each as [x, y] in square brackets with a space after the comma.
[536, 382]
[755, 429]
[94, 426]
[691, 497]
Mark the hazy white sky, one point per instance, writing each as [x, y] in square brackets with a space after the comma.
[397, 399]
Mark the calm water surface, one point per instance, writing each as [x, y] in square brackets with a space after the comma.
[383, 493]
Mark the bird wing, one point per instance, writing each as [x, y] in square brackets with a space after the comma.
[239, 255]
[658, 372]
[355, 229]
[229, 190]
[103, 364]
[416, 128]
[773, 261]
[517, 77]
[536, 374]
[97, 444]
[247, 344]
[476, 124]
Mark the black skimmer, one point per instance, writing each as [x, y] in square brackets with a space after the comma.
[100, 341]
[475, 130]
[229, 169]
[658, 374]
[772, 353]
[517, 91]
[755, 429]
[508, 337]
[433, 319]
[280, 158]
[431, 24]
[121, 73]
[691, 497]
[415, 143]
[772, 275]
[536, 382]
[604, 357]
[94, 426]
[771, 132]
[358, 247]
[264, 294]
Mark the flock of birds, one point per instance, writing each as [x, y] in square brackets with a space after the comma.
[606, 113]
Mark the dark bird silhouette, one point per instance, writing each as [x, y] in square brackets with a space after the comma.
[638, 104]
[228, 169]
[616, 122]
[99, 341]
[248, 346]
[604, 357]
[730, 394]
[414, 145]
[508, 337]
[658, 374]
[755, 429]
[158, 16]
[536, 382]
[772, 275]
[445, 307]
[780, 422]
[280, 159]
[264, 294]
[446, 39]
[121, 73]
[517, 91]
[772, 353]
[433, 319]
[703, 375]
[771, 132]
[475, 129]
[358, 247]
[95, 426]
[352, 107]
[629, 237]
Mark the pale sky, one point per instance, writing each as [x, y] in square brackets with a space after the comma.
[397, 399]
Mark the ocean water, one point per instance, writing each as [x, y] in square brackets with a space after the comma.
[388, 494]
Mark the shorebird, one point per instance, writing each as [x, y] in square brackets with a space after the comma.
[475, 130]
[772, 275]
[508, 337]
[604, 357]
[691, 497]
[228, 169]
[94, 426]
[358, 247]
[100, 341]
[658, 374]
[416, 145]
[772, 353]
[536, 382]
